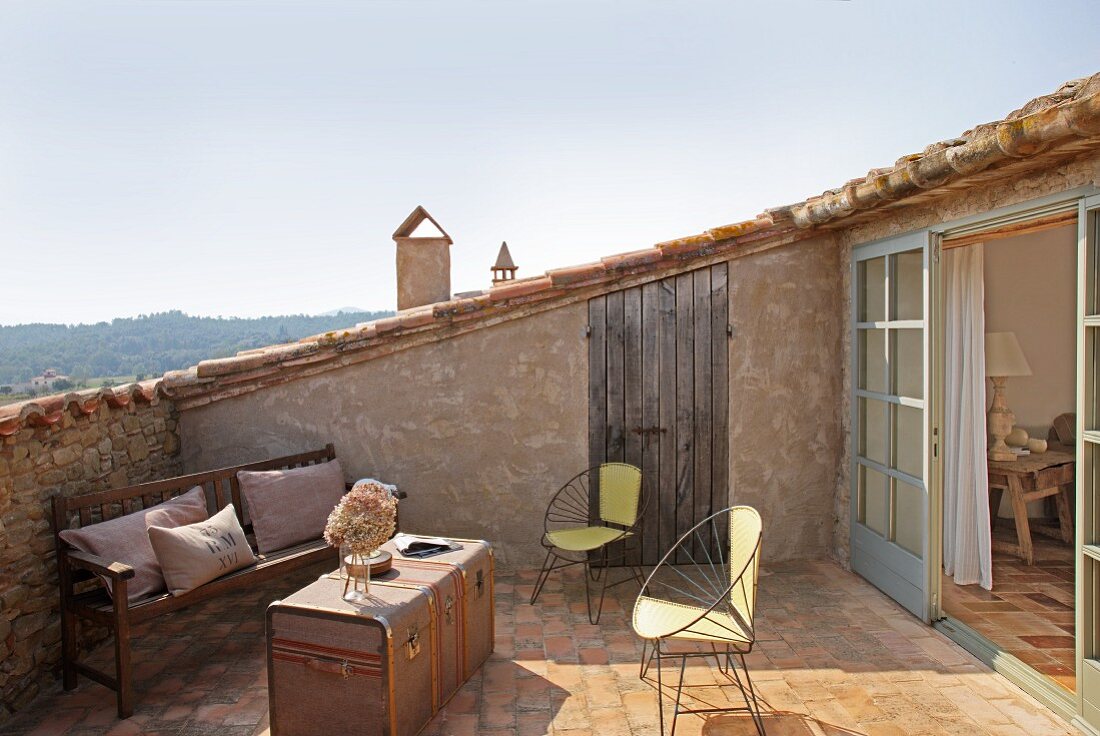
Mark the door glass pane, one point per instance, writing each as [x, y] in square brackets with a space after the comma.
[872, 492]
[908, 440]
[908, 364]
[872, 360]
[873, 443]
[909, 280]
[909, 517]
[871, 289]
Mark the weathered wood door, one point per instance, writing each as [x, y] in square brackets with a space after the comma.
[659, 398]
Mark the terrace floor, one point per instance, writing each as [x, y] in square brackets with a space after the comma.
[835, 658]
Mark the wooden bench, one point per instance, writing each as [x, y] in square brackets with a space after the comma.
[95, 605]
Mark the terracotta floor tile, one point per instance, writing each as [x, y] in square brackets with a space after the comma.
[835, 658]
[1044, 595]
[1049, 642]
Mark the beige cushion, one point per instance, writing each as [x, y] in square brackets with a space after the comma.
[125, 539]
[198, 553]
[291, 506]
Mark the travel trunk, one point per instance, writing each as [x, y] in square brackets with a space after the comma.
[366, 669]
[461, 582]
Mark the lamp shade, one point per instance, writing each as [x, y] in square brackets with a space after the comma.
[1003, 356]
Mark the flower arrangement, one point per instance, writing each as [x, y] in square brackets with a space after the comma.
[364, 519]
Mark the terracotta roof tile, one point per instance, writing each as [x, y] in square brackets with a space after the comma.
[638, 259]
[739, 229]
[575, 275]
[50, 410]
[520, 288]
[686, 244]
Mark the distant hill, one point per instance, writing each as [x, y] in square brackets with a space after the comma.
[342, 310]
[150, 344]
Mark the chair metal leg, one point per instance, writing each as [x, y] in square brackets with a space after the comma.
[646, 660]
[660, 692]
[754, 707]
[603, 592]
[543, 575]
[719, 656]
[679, 690]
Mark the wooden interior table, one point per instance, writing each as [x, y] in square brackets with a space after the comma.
[1029, 478]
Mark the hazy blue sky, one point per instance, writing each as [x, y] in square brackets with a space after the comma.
[248, 158]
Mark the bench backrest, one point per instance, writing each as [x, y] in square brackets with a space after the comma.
[221, 488]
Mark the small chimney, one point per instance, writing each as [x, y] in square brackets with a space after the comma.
[423, 262]
[504, 269]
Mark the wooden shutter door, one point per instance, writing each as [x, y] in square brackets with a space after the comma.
[659, 398]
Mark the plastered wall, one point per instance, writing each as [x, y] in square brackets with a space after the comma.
[785, 392]
[479, 430]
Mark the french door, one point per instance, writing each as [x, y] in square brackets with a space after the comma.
[891, 435]
[1088, 466]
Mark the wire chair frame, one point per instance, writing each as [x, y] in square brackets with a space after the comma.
[572, 507]
[715, 590]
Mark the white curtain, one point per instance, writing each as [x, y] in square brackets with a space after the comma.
[966, 533]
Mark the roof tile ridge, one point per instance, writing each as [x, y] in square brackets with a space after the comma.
[1036, 126]
[44, 411]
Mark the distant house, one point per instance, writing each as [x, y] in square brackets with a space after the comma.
[49, 377]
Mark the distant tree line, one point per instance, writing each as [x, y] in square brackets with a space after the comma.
[150, 344]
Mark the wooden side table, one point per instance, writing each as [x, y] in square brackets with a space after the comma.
[1027, 479]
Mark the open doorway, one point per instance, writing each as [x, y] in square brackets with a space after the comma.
[1009, 326]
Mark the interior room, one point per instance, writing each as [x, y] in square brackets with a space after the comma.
[1008, 444]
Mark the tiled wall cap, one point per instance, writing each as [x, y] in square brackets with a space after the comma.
[738, 229]
[224, 366]
[516, 289]
[633, 259]
[49, 410]
[582, 273]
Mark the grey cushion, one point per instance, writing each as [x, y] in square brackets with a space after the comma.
[288, 507]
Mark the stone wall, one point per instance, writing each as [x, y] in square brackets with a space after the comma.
[479, 429]
[111, 447]
[976, 200]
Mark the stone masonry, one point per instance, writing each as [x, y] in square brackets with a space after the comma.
[108, 448]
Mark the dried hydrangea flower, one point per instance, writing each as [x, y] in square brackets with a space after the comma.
[364, 519]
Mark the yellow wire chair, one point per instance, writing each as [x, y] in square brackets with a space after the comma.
[707, 599]
[575, 534]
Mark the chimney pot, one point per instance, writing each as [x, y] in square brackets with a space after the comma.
[505, 268]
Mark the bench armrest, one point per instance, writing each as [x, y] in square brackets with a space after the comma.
[99, 565]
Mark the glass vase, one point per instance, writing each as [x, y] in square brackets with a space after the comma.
[355, 572]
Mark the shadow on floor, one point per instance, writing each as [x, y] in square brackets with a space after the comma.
[776, 724]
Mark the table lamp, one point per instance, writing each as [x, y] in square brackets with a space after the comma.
[1003, 358]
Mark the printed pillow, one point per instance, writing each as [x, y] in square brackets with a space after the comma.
[288, 507]
[198, 553]
[125, 539]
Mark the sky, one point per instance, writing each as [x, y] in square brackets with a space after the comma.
[243, 158]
